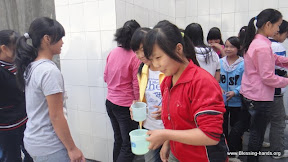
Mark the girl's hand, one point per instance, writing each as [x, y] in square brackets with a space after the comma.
[156, 138]
[76, 155]
[165, 151]
[216, 46]
[230, 94]
[157, 114]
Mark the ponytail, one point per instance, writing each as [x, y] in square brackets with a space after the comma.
[25, 54]
[249, 36]
[189, 50]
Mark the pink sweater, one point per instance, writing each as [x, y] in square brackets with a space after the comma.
[259, 80]
[121, 77]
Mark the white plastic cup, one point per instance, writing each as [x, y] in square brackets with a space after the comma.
[139, 111]
[139, 145]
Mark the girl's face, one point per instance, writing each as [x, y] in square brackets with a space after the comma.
[281, 37]
[140, 55]
[229, 49]
[56, 48]
[272, 29]
[213, 41]
[8, 53]
[163, 62]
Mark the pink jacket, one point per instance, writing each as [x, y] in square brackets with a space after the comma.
[121, 77]
[259, 80]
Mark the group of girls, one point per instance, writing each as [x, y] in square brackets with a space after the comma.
[193, 111]
[189, 100]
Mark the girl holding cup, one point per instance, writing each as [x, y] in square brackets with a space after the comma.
[149, 79]
[192, 103]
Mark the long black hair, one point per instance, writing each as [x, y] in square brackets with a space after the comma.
[124, 34]
[242, 34]
[264, 16]
[167, 35]
[25, 53]
[195, 32]
[8, 38]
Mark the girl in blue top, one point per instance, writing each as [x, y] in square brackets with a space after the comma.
[232, 68]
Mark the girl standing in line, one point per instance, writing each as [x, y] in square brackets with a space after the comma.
[232, 68]
[277, 113]
[121, 77]
[13, 115]
[47, 136]
[149, 78]
[214, 39]
[259, 80]
[207, 58]
[192, 103]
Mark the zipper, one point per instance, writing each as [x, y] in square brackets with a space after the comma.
[169, 116]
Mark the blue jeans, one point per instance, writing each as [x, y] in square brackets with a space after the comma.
[122, 125]
[59, 156]
[11, 144]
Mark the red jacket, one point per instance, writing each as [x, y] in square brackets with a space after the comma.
[194, 101]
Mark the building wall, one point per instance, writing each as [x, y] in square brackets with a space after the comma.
[90, 27]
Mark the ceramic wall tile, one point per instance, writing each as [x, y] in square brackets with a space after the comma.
[95, 73]
[93, 45]
[228, 6]
[92, 16]
[215, 7]
[101, 149]
[76, 13]
[98, 98]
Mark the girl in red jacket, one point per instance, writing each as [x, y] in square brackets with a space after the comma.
[192, 103]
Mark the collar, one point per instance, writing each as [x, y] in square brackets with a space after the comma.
[262, 37]
[186, 76]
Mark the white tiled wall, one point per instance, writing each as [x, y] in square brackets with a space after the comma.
[90, 26]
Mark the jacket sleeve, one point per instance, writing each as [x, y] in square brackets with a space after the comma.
[237, 89]
[106, 70]
[135, 65]
[266, 68]
[207, 106]
[281, 61]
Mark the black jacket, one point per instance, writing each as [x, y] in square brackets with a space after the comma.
[12, 102]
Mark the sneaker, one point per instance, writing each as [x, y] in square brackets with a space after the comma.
[234, 160]
[265, 144]
[284, 155]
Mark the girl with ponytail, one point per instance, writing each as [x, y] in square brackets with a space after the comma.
[47, 135]
[259, 80]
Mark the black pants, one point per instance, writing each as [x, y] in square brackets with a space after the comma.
[11, 144]
[254, 116]
[122, 125]
[232, 114]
